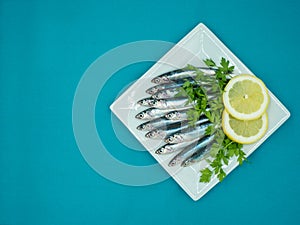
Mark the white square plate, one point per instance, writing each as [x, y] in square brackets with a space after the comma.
[199, 44]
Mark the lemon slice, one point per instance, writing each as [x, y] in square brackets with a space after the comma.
[246, 97]
[244, 131]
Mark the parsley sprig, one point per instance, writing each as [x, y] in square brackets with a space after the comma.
[223, 72]
[223, 149]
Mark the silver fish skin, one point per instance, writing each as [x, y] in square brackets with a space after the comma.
[173, 76]
[176, 84]
[178, 114]
[166, 93]
[190, 150]
[151, 113]
[161, 123]
[170, 148]
[197, 157]
[160, 87]
[180, 74]
[188, 134]
[172, 92]
[171, 103]
[161, 133]
[145, 101]
[170, 129]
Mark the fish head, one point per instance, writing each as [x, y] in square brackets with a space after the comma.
[176, 138]
[141, 115]
[164, 149]
[175, 161]
[161, 94]
[145, 101]
[160, 80]
[144, 126]
[187, 162]
[175, 115]
[159, 151]
[155, 134]
[152, 90]
[167, 149]
[159, 103]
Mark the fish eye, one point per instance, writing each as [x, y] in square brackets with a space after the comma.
[140, 127]
[159, 151]
[172, 163]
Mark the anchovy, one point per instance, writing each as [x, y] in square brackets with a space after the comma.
[170, 148]
[161, 123]
[197, 157]
[166, 93]
[181, 114]
[151, 113]
[178, 114]
[172, 103]
[172, 92]
[172, 128]
[145, 101]
[188, 134]
[180, 74]
[162, 133]
[190, 150]
[160, 87]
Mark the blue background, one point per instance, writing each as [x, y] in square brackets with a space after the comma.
[46, 46]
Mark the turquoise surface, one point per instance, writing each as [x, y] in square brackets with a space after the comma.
[46, 46]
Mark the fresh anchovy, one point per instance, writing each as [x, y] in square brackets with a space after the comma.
[178, 115]
[190, 150]
[171, 103]
[163, 132]
[160, 87]
[145, 101]
[169, 129]
[166, 93]
[180, 74]
[161, 123]
[197, 157]
[170, 148]
[188, 134]
[151, 113]
[172, 92]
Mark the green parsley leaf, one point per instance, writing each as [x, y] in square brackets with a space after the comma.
[209, 62]
[206, 175]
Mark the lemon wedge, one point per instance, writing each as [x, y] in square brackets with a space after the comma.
[244, 131]
[246, 97]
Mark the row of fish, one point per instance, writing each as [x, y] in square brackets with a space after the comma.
[166, 118]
